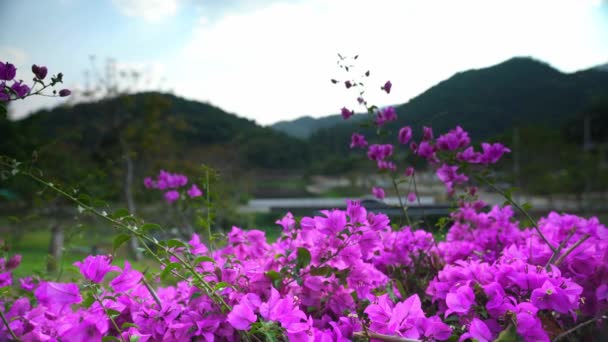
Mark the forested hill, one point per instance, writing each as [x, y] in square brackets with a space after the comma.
[490, 101]
[163, 123]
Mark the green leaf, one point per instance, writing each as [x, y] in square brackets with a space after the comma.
[88, 301]
[402, 292]
[120, 213]
[134, 338]
[526, 206]
[273, 275]
[509, 335]
[150, 226]
[119, 241]
[303, 257]
[109, 338]
[220, 286]
[321, 271]
[176, 243]
[203, 258]
[128, 325]
[112, 313]
[112, 298]
[168, 269]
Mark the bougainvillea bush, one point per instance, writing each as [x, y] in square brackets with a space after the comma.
[343, 275]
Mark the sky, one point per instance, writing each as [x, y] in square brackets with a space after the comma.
[271, 60]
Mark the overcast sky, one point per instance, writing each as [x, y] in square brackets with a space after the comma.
[272, 60]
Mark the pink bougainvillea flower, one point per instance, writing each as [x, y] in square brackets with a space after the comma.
[39, 71]
[346, 113]
[171, 196]
[378, 192]
[194, 191]
[127, 280]
[357, 140]
[50, 293]
[7, 71]
[387, 87]
[411, 196]
[405, 135]
[95, 268]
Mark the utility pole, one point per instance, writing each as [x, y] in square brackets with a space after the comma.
[587, 146]
[516, 175]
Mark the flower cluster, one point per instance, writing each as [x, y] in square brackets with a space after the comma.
[19, 90]
[170, 183]
[327, 277]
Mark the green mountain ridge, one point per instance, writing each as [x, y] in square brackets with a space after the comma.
[488, 102]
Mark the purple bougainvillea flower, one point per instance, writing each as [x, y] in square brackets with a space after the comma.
[346, 113]
[287, 222]
[385, 115]
[95, 268]
[427, 133]
[492, 152]
[460, 301]
[50, 293]
[39, 71]
[7, 71]
[378, 192]
[411, 196]
[194, 191]
[20, 89]
[241, 317]
[409, 171]
[90, 329]
[171, 196]
[27, 283]
[387, 87]
[405, 135]
[478, 331]
[357, 140]
[6, 279]
[454, 139]
[127, 280]
[13, 262]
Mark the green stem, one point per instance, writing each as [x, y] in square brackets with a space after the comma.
[118, 330]
[206, 287]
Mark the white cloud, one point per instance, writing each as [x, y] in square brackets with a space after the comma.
[275, 63]
[150, 10]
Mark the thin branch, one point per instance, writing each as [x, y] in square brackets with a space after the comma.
[560, 247]
[518, 207]
[152, 292]
[568, 332]
[572, 248]
[383, 337]
[407, 217]
[10, 331]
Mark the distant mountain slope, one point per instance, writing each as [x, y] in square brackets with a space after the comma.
[189, 126]
[305, 126]
[490, 101]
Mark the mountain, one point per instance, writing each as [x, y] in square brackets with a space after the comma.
[305, 126]
[93, 141]
[602, 67]
[489, 101]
